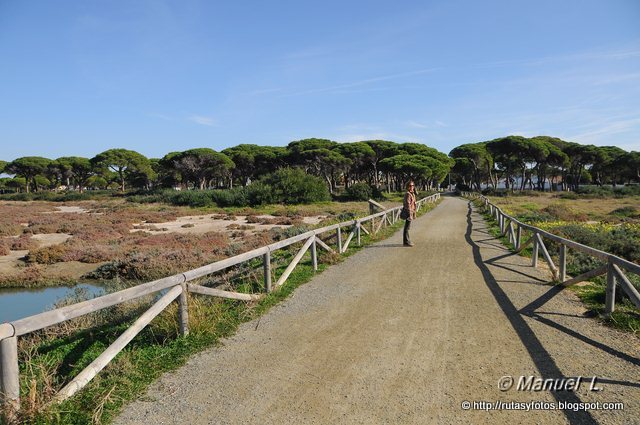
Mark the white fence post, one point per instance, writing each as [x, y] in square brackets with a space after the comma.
[610, 300]
[534, 255]
[314, 254]
[563, 262]
[10, 377]
[183, 310]
[266, 267]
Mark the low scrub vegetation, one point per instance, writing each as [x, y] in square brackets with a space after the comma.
[610, 226]
[290, 186]
[631, 212]
[622, 240]
[543, 207]
[587, 192]
[62, 196]
[100, 234]
[360, 192]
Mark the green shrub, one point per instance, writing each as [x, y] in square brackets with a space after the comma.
[346, 216]
[46, 255]
[359, 192]
[292, 231]
[294, 186]
[289, 186]
[236, 197]
[162, 195]
[623, 240]
[589, 191]
[501, 192]
[563, 212]
[192, 198]
[56, 196]
[628, 211]
[628, 190]
[568, 195]
[259, 193]
[17, 197]
[594, 191]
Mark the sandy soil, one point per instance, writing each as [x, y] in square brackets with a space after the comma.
[70, 209]
[49, 239]
[206, 223]
[406, 335]
[9, 263]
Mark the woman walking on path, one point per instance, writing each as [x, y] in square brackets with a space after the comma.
[409, 206]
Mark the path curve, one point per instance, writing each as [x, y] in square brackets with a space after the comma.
[406, 335]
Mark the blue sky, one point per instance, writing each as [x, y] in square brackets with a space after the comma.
[80, 77]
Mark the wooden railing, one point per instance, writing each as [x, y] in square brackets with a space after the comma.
[176, 287]
[613, 268]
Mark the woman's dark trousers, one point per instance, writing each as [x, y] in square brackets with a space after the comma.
[405, 235]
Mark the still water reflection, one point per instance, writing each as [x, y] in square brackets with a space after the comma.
[16, 303]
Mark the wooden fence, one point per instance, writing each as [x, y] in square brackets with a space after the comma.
[176, 287]
[613, 268]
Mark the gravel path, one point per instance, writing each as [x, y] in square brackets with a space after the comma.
[406, 335]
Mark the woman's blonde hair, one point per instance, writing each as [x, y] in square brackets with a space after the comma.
[409, 183]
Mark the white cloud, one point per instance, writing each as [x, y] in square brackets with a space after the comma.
[202, 120]
[260, 92]
[366, 81]
[600, 132]
[359, 137]
[357, 132]
[161, 116]
[349, 138]
[427, 125]
[598, 55]
[416, 124]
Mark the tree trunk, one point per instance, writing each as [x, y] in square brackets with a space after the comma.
[376, 181]
[326, 177]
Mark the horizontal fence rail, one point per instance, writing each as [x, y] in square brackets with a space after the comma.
[176, 287]
[513, 229]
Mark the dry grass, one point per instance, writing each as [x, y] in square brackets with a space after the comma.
[5, 246]
[46, 369]
[568, 209]
[14, 214]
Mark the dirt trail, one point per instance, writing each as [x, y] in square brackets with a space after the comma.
[406, 335]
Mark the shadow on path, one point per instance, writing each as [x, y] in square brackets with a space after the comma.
[385, 245]
[542, 359]
[492, 261]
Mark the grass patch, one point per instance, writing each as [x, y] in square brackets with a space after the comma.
[625, 316]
